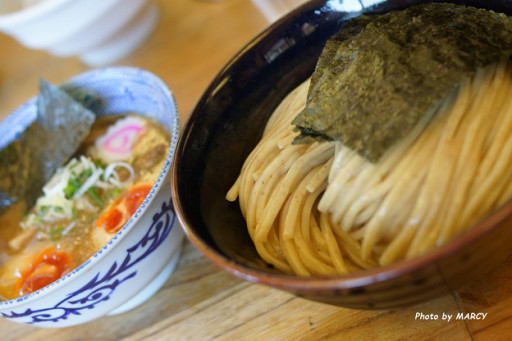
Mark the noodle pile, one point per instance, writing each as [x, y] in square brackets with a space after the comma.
[321, 209]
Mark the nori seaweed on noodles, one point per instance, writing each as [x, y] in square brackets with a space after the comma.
[379, 75]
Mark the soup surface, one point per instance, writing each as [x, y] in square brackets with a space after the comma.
[83, 205]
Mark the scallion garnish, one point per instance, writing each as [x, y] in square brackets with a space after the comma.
[115, 192]
[55, 233]
[94, 196]
[43, 209]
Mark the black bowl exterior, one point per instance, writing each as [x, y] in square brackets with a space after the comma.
[226, 125]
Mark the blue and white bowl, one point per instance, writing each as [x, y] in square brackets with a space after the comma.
[137, 261]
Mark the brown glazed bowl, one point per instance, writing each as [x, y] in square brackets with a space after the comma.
[227, 123]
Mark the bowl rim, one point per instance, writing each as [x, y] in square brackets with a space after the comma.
[314, 284]
[155, 189]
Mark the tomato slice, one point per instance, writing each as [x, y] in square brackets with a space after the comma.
[112, 220]
[135, 197]
[48, 266]
[122, 209]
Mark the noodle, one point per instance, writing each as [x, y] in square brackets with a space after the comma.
[321, 209]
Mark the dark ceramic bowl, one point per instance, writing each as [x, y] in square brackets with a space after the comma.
[228, 122]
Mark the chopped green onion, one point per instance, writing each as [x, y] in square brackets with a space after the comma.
[115, 192]
[85, 173]
[100, 163]
[43, 209]
[69, 190]
[55, 233]
[72, 187]
[94, 196]
[75, 183]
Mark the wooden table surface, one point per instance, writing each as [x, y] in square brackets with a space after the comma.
[192, 41]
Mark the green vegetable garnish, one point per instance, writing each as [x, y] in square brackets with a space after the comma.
[115, 192]
[71, 188]
[94, 195]
[100, 163]
[43, 209]
[85, 174]
[55, 233]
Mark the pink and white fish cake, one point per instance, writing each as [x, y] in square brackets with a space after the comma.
[118, 142]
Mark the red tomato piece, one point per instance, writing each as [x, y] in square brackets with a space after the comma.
[111, 220]
[122, 209]
[135, 197]
[48, 266]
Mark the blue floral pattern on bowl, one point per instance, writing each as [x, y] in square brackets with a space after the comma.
[102, 286]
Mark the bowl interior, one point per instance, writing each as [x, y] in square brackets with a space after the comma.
[230, 117]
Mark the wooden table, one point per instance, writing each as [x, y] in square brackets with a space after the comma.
[193, 40]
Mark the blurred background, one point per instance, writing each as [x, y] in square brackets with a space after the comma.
[190, 42]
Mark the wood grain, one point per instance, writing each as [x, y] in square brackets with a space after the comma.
[192, 41]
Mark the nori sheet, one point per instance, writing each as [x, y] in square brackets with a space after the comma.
[380, 74]
[87, 98]
[28, 163]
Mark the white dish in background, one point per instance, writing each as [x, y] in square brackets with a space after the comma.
[100, 32]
